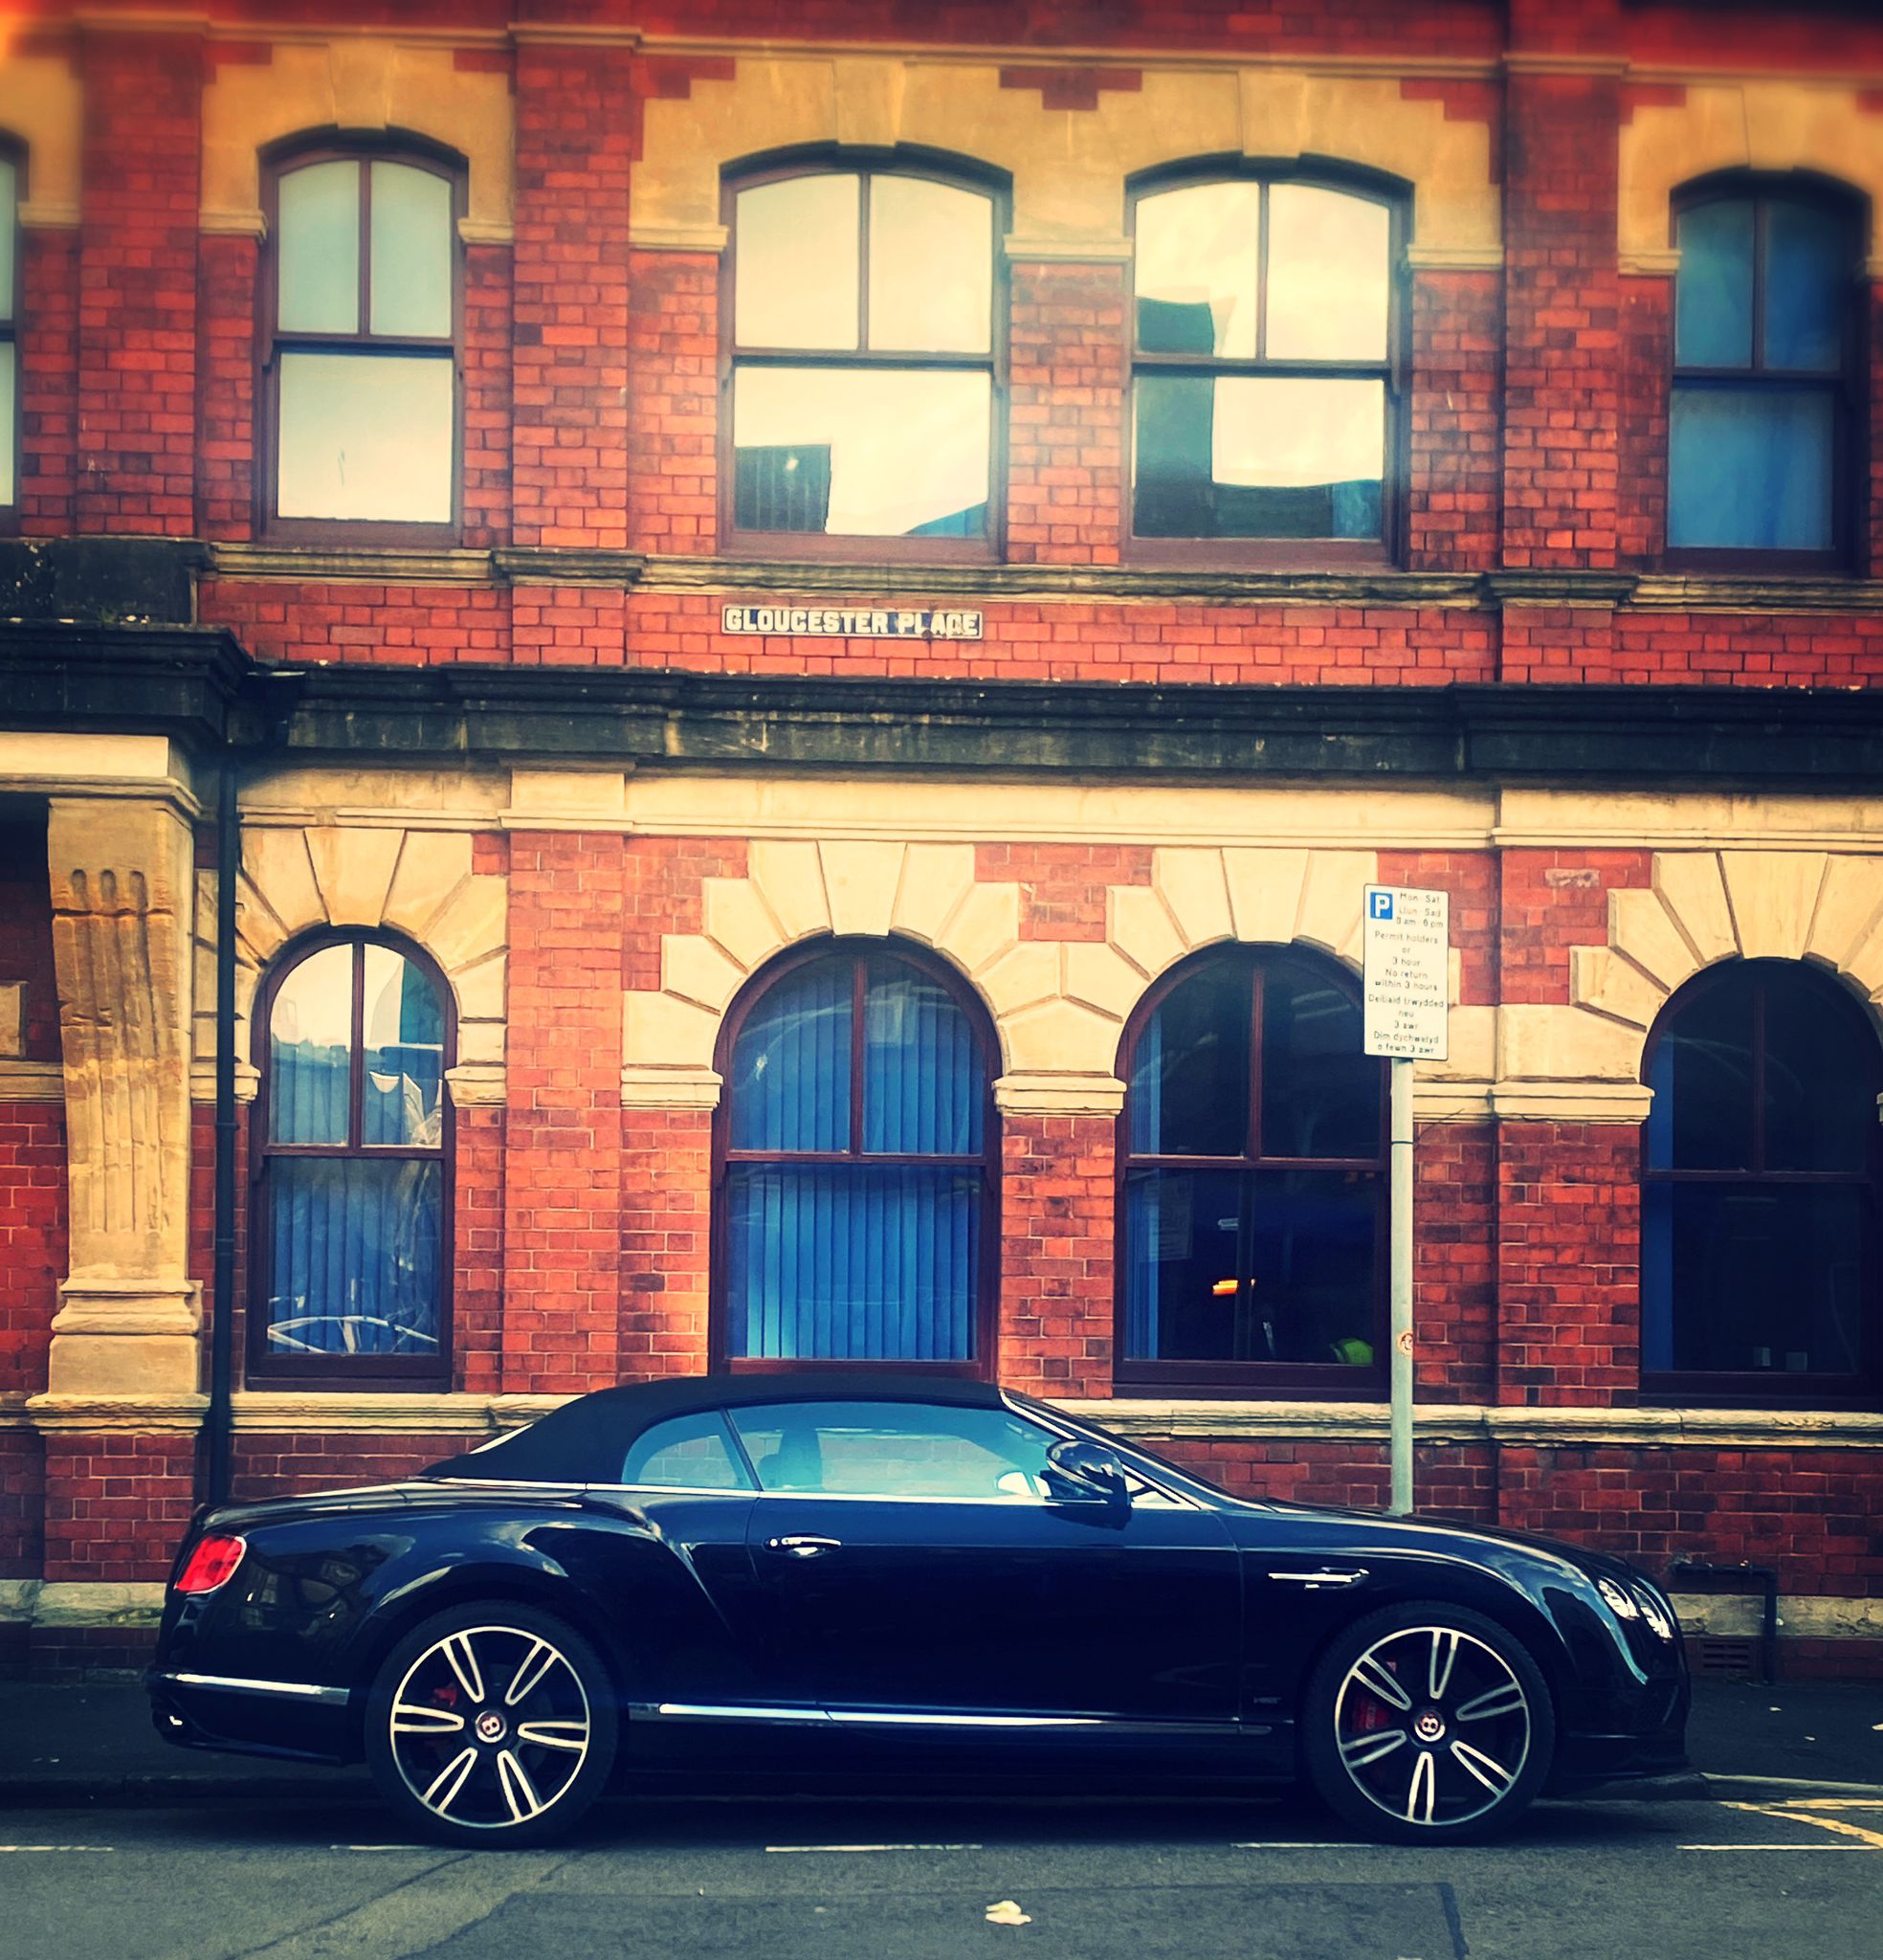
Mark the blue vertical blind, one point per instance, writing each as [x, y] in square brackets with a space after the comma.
[855, 1180]
[1761, 318]
[353, 1165]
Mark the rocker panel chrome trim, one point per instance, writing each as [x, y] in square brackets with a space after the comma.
[230, 1683]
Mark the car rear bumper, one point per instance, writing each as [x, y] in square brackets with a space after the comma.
[304, 1721]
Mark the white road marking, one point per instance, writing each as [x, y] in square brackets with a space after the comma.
[1305, 1844]
[436, 1848]
[57, 1847]
[1775, 1847]
[873, 1847]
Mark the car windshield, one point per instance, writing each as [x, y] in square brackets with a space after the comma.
[1148, 1462]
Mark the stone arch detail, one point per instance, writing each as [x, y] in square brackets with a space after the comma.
[1058, 1007]
[1068, 167]
[417, 883]
[356, 84]
[795, 890]
[1704, 906]
[1774, 125]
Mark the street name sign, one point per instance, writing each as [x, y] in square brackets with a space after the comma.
[1406, 957]
[854, 622]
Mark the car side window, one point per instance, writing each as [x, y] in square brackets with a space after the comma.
[686, 1452]
[895, 1449]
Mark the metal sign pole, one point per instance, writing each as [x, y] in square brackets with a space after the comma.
[1407, 961]
[1401, 1285]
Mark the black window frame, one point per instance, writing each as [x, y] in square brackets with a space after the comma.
[1699, 1388]
[270, 1369]
[1297, 1380]
[13, 152]
[980, 1366]
[281, 161]
[866, 163]
[1848, 387]
[1394, 369]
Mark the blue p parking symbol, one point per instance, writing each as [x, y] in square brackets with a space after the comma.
[1380, 905]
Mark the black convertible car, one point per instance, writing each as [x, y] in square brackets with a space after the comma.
[852, 1575]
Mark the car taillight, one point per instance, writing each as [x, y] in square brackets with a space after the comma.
[211, 1564]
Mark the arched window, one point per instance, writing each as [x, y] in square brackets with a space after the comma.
[862, 350]
[1265, 370]
[856, 1182]
[1252, 1186]
[362, 324]
[351, 1145]
[1759, 1278]
[1765, 392]
[11, 173]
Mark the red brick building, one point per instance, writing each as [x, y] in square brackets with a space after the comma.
[794, 634]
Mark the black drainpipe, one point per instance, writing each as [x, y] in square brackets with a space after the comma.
[218, 1420]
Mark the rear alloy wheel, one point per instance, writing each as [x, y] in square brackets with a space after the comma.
[1429, 1723]
[492, 1726]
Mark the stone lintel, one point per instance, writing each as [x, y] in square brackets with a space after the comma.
[1546, 1101]
[648, 1085]
[475, 1083]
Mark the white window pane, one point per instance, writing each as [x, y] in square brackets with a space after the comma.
[865, 454]
[9, 234]
[795, 257]
[310, 1046]
[931, 267]
[8, 424]
[366, 436]
[1196, 270]
[1328, 276]
[411, 252]
[318, 249]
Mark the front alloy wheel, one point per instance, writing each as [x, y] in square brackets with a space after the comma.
[1429, 1722]
[492, 1726]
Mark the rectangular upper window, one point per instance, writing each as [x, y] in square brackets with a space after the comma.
[862, 359]
[1264, 384]
[1760, 423]
[363, 386]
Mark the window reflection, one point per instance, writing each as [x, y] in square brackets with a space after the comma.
[846, 439]
[1263, 378]
[411, 244]
[318, 258]
[861, 451]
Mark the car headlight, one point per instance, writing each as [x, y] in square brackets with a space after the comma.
[1657, 1616]
[1620, 1600]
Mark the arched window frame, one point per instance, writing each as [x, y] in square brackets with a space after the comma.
[1279, 1378]
[283, 160]
[986, 1329]
[1848, 387]
[365, 1370]
[932, 167]
[12, 303]
[1780, 1390]
[1394, 370]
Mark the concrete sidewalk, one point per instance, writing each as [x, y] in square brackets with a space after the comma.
[95, 1745]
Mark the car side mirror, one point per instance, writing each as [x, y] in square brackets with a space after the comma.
[1082, 1472]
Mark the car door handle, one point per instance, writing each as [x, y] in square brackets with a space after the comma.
[802, 1546]
[1322, 1578]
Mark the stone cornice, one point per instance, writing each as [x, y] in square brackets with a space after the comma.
[1117, 583]
[31, 1082]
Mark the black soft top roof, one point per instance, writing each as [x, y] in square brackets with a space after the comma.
[583, 1441]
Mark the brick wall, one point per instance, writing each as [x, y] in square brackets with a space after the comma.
[116, 1505]
[1554, 900]
[48, 357]
[1454, 448]
[1066, 434]
[1057, 1196]
[673, 432]
[137, 284]
[666, 1241]
[1062, 886]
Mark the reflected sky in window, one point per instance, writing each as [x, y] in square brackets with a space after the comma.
[318, 251]
[795, 264]
[1196, 270]
[931, 267]
[1328, 257]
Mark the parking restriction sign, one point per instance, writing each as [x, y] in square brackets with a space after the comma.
[1406, 987]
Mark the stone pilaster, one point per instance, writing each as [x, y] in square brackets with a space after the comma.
[122, 886]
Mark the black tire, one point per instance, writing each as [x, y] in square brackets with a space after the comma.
[1470, 1711]
[491, 1727]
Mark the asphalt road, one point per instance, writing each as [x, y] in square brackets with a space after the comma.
[908, 1880]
